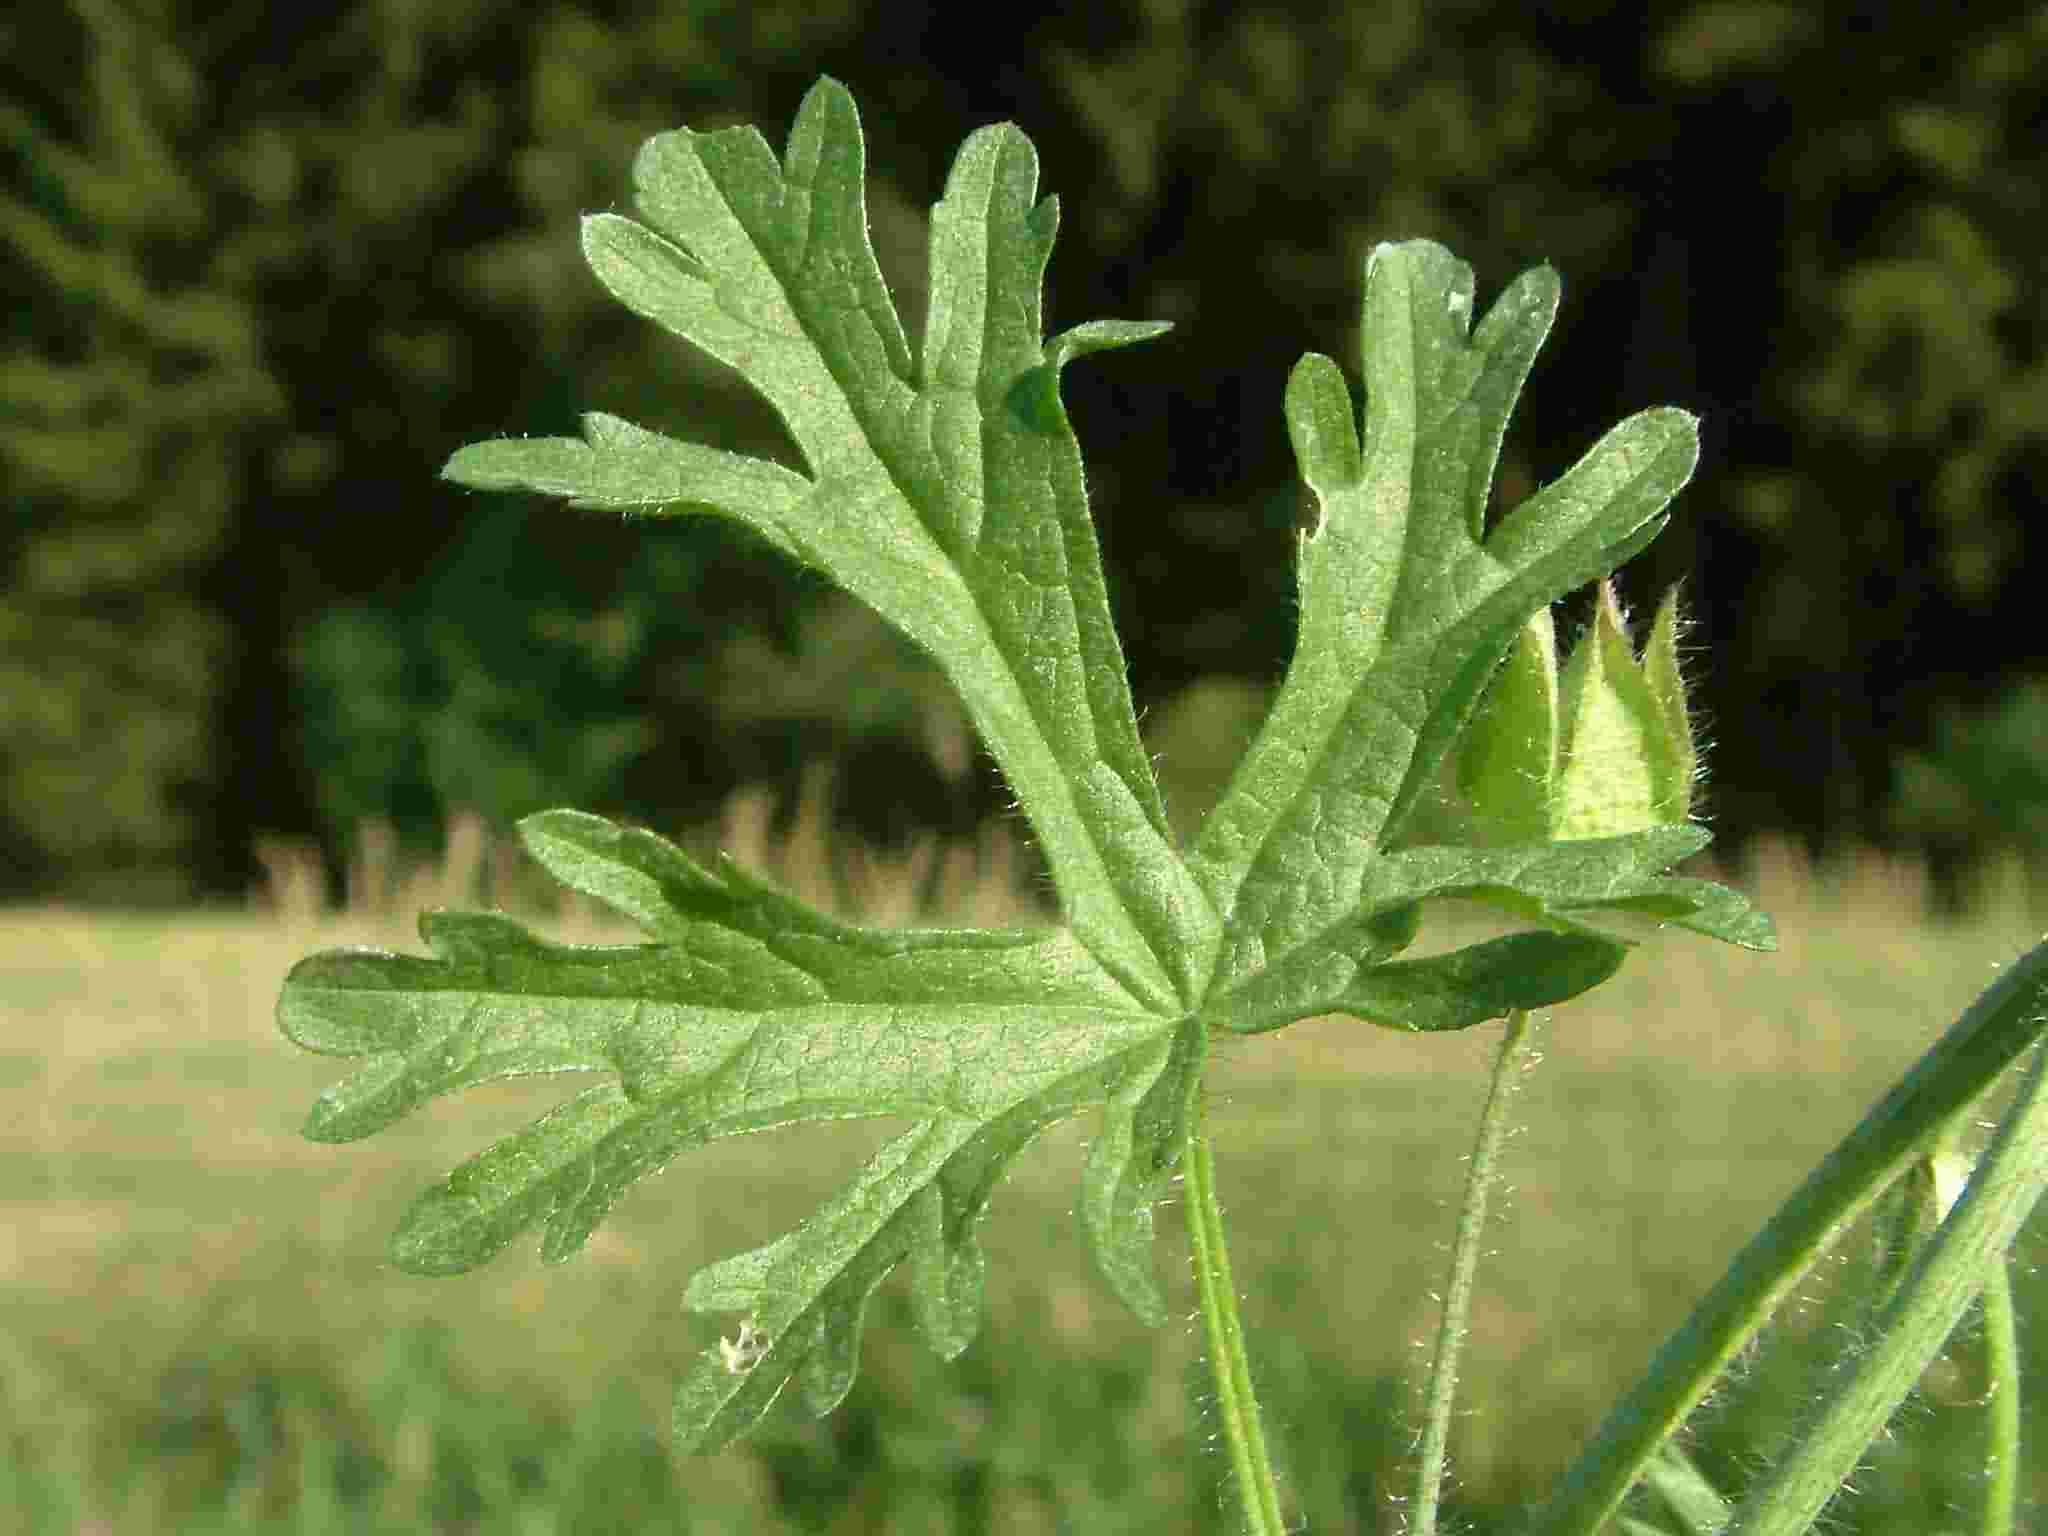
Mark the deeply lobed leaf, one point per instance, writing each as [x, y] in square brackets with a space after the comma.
[750, 1012]
[944, 489]
[1407, 603]
[942, 485]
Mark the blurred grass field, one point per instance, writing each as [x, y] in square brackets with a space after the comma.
[198, 1331]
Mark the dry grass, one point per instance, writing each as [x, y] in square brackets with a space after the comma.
[152, 1179]
[981, 884]
[151, 1170]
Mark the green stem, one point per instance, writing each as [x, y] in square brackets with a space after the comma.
[1946, 1278]
[2002, 1411]
[1992, 1034]
[1251, 1467]
[1451, 1329]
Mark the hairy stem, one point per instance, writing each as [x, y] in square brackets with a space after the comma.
[1450, 1333]
[1250, 1465]
[1946, 1278]
[2002, 1410]
[1993, 1033]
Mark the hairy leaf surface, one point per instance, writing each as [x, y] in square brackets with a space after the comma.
[945, 489]
[941, 484]
[749, 1012]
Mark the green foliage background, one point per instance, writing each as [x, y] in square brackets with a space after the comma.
[263, 274]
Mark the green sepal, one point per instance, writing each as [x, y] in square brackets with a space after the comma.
[1677, 767]
[1617, 762]
[1508, 758]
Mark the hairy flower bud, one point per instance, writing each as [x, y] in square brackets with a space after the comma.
[1599, 748]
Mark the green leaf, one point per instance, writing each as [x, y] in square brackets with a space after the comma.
[1407, 602]
[1482, 981]
[618, 467]
[1558, 884]
[945, 490]
[752, 1012]
[942, 484]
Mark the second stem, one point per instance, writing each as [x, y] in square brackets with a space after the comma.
[1450, 1334]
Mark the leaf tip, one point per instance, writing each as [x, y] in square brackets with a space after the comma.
[468, 466]
[829, 91]
[441, 1235]
[323, 1124]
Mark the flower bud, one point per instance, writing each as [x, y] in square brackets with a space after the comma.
[1601, 749]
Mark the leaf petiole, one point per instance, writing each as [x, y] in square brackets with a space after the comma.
[1251, 1466]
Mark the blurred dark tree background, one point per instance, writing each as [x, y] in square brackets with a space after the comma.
[265, 267]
